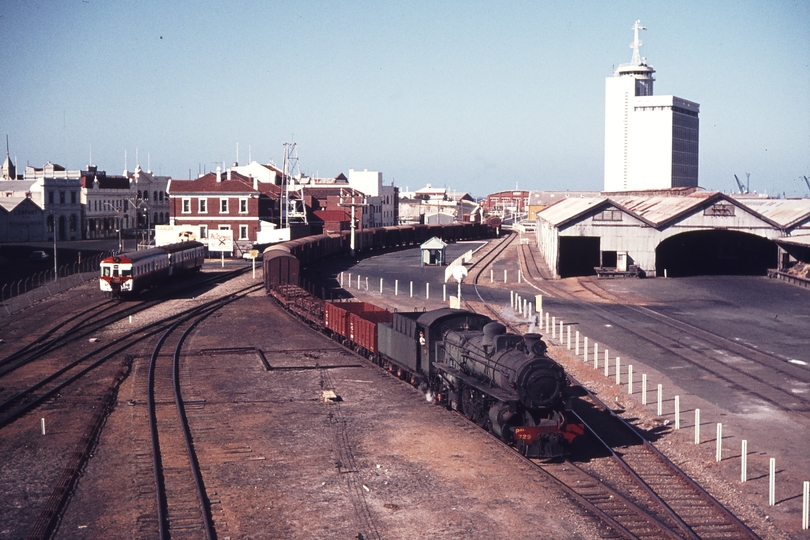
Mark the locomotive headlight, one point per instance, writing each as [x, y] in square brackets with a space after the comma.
[541, 387]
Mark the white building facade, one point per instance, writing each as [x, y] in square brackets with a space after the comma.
[383, 201]
[651, 142]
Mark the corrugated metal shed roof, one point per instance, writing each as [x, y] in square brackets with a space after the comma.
[785, 212]
[658, 210]
[799, 240]
[568, 209]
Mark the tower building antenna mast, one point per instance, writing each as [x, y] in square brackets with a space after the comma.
[636, 45]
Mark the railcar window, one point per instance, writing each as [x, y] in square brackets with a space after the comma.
[105, 271]
[126, 272]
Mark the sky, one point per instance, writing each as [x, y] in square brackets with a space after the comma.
[472, 96]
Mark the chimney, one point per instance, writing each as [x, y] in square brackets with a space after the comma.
[219, 174]
[229, 173]
[255, 182]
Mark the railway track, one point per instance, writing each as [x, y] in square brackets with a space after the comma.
[636, 491]
[691, 345]
[91, 320]
[184, 509]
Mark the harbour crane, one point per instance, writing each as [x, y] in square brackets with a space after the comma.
[743, 189]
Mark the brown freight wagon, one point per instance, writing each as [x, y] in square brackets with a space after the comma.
[280, 267]
[336, 318]
[363, 328]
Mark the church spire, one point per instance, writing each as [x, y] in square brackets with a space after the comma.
[9, 171]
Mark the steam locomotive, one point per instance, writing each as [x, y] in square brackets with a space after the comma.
[503, 382]
[462, 360]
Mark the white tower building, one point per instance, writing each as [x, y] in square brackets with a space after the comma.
[651, 142]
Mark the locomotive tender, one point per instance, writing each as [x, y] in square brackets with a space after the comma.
[131, 272]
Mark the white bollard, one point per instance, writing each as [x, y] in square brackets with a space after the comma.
[595, 356]
[806, 505]
[547, 321]
[519, 275]
[607, 364]
[444, 292]
[366, 283]
[348, 280]
[677, 412]
[569, 337]
[644, 389]
[358, 282]
[718, 453]
[697, 426]
[512, 299]
[744, 462]
[381, 285]
[772, 483]
[561, 332]
[660, 400]
[341, 279]
[585, 350]
[504, 276]
[630, 379]
[412, 290]
[130, 317]
[618, 370]
[553, 327]
[529, 305]
[396, 287]
[538, 303]
[491, 275]
[42, 425]
[525, 308]
[427, 290]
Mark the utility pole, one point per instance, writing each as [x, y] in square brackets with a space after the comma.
[55, 266]
[353, 204]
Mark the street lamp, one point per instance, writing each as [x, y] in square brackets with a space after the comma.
[55, 267]
[119, 213]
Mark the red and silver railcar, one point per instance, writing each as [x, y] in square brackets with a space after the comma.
[134, 271]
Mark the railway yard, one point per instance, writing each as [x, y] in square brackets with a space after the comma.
[273, 430]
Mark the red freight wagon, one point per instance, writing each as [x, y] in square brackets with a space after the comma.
[363, 328]
[336, 316]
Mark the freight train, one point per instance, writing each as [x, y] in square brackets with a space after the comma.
[131, 272]
[462, 360]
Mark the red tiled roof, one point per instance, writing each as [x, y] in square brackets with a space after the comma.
[208, 183]
[331, 215]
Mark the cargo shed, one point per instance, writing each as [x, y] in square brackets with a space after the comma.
[701, 233]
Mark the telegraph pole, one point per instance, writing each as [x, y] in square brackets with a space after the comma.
[353, 204]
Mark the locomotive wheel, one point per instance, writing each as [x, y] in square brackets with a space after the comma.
[470, 407]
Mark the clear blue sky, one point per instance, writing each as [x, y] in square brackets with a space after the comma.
[474, 96]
